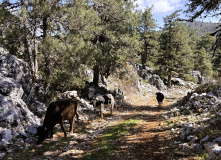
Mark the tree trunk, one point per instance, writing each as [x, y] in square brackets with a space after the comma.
[35, 52]
[169, 80]
[45, 51]
[31, 56]
[144, 57]
[96, 76]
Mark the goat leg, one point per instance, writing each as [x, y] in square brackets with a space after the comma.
[51, 133]
[112, 108]
[71, 125]
[62, 127]
[102, 110]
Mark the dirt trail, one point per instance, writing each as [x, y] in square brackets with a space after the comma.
[148, 140]
[135, 132]
[152, 141]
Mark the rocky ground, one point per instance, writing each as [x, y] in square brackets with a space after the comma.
[183, 128]
[137, 131]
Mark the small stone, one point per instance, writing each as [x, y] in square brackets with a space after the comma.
[184, 146]
[210, 145]
[215, 152]
[181, 154]
[177, 142]
[23, 134]
[204, 139]
[2, 155]
[197, 146]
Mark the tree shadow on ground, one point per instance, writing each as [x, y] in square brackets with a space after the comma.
[137, 134]
[141, 141]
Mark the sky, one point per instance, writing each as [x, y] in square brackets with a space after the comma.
[163, 8]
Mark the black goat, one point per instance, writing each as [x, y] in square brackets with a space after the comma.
[160, 98]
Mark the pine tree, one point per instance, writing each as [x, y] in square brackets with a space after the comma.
[203, 55]
[62, 38]
[148, 35]
[70, 45]
[175, 57]
[204, 64]
[205, 8]
[207, 42]
[116, 36]
[10, 30]
[56, 37]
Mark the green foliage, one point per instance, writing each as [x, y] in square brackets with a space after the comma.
[202, 27]
[63, 81]
[205, 88]
[203, 63]
[148, 35]
[204, 9]
[202, 156]
[203, 55]
[60, 39]
[115, 40]
[10, 33]
[190, 78]
[176, 53]
[207, 41]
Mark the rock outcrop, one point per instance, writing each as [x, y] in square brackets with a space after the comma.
[16, 119]
[18, 71]
[148, 75]
[199, 117]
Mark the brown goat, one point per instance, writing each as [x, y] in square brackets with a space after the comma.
[57, 112]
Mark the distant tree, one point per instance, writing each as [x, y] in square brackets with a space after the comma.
[202, 27]
[207, 8]
[203, 55]
[203, 63]
[207, 42]
[148, 35]
[175, 57]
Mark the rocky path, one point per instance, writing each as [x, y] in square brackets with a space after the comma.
[136, 131]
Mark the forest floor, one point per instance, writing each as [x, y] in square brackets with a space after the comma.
[136, 131]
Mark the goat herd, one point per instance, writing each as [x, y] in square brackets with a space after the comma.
[66, 109]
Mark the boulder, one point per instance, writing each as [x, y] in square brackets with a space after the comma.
[198, 76]
[9, 87]
[39, 108]
[15, 73]
[178, 81]
[6, 138]
[210, 145]
[156, 81]
[215, 153]
[12, 67]
[70, 94]
[187, 129]
[15, 113]
[204, 139]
